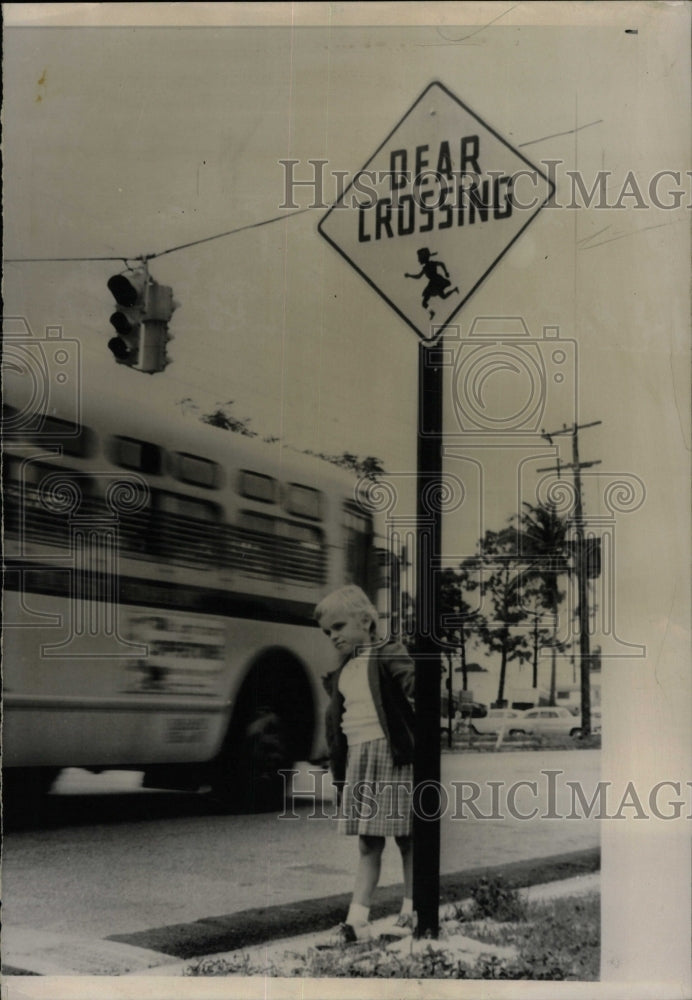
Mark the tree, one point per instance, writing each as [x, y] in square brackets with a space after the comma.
[221, 418]
[544, 541]
[541, 637]
[368, 467]
[457, 617]
[455, 624]
[500, 570]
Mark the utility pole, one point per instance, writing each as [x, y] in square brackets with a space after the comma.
[581, 561]
[534, 675]
[450, 698]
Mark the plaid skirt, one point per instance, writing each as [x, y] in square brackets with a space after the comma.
[377, 795]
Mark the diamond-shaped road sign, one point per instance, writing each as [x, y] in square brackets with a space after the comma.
[434, 210]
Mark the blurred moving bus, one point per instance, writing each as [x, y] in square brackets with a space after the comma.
[160, 580]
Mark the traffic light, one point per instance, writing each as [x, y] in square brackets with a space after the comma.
[129, 292]
[141, 320]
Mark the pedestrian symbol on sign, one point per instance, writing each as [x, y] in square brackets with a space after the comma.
[438, 278]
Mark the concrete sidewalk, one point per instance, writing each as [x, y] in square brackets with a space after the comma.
[264, 937]
[286, 956]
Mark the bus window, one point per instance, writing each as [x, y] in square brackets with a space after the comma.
[195, 470]
[304, 501]
[130, 453]
[252, 545]
[301, 555]
[386, 586]
[276, 549]
[72, 438]
[257, 486]
[185, 530]
[40, 500]
[135, 528]
[358, 534]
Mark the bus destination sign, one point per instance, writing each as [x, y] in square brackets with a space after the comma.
[434, 210]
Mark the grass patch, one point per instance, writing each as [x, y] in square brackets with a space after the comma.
[560, 939]
[554, 940]
[491, 897]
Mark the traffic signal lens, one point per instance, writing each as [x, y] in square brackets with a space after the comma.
[119, 348]
[121, 323]
[124, 293]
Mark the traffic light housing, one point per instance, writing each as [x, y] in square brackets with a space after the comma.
[129, 292]
[155, 336]
[140, 320]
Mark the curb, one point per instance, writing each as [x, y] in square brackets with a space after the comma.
[213, 935]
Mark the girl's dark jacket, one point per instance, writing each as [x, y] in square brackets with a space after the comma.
[392, 681]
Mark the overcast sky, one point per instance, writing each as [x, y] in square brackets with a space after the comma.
[122, 141]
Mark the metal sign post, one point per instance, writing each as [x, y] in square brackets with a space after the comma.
[426, 768]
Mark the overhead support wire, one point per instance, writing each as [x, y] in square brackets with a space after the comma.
[161, 253]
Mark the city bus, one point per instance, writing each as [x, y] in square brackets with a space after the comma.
[160, 581]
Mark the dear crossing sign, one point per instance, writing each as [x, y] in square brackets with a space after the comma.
[434, 210]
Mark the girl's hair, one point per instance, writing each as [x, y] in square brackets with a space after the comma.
[350, 600]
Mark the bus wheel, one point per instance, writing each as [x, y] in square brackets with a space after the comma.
[271, 727]
[24, 791]
[246, 777]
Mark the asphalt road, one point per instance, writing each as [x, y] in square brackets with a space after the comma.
[117, 860]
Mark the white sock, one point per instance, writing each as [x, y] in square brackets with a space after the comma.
[407, 906]
[357, 915]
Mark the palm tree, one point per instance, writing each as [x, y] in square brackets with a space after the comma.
[500, 571]
[543, 539]
[458, 617]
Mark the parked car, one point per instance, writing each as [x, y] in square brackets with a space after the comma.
[595, 716]
[495, 720]
[472, 710]
[547, 721]
[465, 713]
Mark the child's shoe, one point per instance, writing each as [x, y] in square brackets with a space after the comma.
[403, 925]
[344, 934]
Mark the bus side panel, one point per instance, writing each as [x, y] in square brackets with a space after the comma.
[157, 686]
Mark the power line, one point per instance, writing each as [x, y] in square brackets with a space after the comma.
[161, 253]
[58, 260]
[230, 232]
